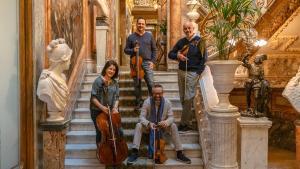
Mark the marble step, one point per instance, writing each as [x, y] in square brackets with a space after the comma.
[89, 137]
[84, 102]
[141, 163]
[88, 125]
[167, 84]
[83, 164]
[85, 151]
[158, 75]
[129, 91]
[129, 111]
[171, 163]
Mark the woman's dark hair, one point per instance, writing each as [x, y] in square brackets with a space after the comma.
[109, 63]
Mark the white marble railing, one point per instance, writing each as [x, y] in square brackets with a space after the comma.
[206, 97]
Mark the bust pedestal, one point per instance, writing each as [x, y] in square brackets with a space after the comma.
[254, 142]
[54, 116]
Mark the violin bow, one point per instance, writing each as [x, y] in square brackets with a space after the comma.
[153, 160]
[112, 131]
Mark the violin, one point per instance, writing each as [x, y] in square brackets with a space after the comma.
[184, 49]
[201, 44]
[157, 145]
[136, 69]
[113, 149]
[159, 155]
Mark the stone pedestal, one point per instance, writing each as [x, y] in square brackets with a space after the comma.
[254, 142]
[54, 140]
[297, 126]
[101, 39]
[224, 139]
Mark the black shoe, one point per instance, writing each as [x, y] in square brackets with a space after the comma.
[181, 157]
[184, 128]
[181, 127]
[132, 158]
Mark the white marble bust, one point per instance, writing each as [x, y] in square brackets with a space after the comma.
[52, 87]
[292, 91]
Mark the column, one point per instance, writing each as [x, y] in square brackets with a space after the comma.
[254, 142]
[174, 28]
[54, 140]
[101, 39]
[297, 131]
[223, 127]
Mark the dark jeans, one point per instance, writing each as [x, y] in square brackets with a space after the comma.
[148, 79]
[94, 114]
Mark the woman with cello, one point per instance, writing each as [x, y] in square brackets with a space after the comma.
[111, 147]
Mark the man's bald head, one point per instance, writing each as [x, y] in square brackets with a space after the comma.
[188, 29]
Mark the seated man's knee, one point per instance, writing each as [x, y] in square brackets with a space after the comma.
[138, 126]
[174, 127]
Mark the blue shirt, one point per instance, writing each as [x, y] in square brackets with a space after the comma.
[147, 44]
[106, 95]
[196, 59]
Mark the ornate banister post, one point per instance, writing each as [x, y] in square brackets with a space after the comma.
[193, 14]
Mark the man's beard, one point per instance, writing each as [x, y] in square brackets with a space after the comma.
[157, 102]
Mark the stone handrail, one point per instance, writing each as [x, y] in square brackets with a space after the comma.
[206, 97]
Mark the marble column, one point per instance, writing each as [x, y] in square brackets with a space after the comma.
[223, 127]
[297, 126]
[54, 141]
[101, 42]
[254, 142]
[174, 28]
[90, 38]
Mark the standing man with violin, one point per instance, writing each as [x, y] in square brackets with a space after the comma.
[190, 52]
[153, 107]
[143, 44]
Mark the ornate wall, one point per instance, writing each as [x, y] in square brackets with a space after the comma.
[67, 23]
[280, 27]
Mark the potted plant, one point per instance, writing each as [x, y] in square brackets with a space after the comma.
[228, 21]
[163, 27]
[163, 31]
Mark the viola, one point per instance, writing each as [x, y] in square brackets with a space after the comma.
[136, 69]
[113, 149]
[159, 155]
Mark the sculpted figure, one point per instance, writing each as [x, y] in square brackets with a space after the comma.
[52, 87]
[257, 85]
[292, 91]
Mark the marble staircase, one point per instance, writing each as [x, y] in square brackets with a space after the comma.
[81, 148]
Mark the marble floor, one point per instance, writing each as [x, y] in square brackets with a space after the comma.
[282, 159]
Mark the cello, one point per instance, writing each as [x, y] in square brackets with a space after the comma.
[113, 149]
[136, 69]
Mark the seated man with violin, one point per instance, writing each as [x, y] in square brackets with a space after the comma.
[153, 107]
